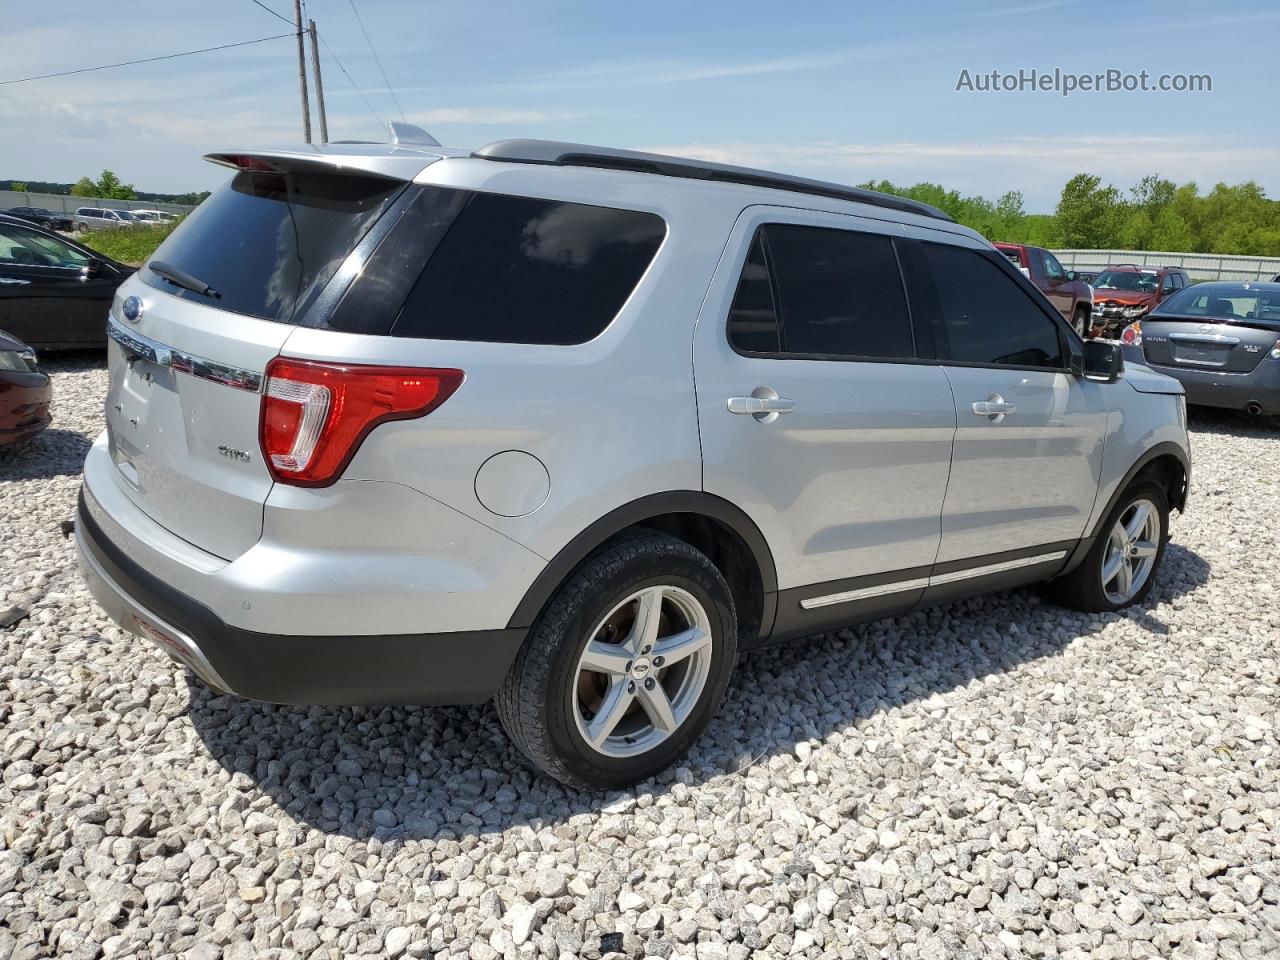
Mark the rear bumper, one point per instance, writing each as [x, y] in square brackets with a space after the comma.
[441, 668]
[1234, 391]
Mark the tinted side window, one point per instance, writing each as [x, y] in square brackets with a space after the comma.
[521, 270]
[753, 318]
[986, 318]
[839, 293]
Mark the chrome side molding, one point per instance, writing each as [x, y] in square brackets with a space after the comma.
[919, 583]
[135, 344]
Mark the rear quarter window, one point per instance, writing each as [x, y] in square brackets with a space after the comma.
[525, 270]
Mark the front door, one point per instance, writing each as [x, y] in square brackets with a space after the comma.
[816, 417]
[1028, 448]
[47, 297]
[1060, 291]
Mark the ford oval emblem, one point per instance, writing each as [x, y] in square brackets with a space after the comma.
[132, 309]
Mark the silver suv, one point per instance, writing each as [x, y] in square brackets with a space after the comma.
[570, 427]
[101, 218]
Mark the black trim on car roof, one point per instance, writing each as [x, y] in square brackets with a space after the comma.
[557, 153]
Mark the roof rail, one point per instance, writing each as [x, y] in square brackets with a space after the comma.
[580, 155]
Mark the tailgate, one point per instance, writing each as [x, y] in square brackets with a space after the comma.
[182, 422]
[1225, 347]
[207, 313]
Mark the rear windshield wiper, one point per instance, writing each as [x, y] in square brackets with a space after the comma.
[180, 278]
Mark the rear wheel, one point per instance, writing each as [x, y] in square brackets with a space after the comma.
[626, 666]
[1122, 564]
[82, 228]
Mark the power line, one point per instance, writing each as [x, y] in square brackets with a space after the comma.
[375, 58]
[278, 16]
[329, 50]
[130, 63]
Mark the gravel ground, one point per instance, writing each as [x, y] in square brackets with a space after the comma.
[995, 778]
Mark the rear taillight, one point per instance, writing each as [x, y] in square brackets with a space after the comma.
[1131, 336]
[315, 415]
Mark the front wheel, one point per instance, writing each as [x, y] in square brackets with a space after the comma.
[1080, 322]
[625, 667]
[1121, 566]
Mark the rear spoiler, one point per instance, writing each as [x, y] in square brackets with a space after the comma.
[373, 160]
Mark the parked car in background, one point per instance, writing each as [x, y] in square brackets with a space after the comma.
[155, 216]
[54, 293]
[1222, 340]
[25, 392]
[41, 217]
[100, 218]
[326, 485]
[1127, 292]
[1064, 289]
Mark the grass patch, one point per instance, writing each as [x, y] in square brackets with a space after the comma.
[131, 245]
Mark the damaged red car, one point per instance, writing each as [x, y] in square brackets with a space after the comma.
[25, 392]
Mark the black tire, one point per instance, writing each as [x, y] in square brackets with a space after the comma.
[1082, 588]
[1080, 322]
[82, 228]
[46, 224]
[538, 702]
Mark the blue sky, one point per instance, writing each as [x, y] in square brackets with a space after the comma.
[835, 90]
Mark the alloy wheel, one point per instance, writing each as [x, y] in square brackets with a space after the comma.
[642, 671]
[1131, 551]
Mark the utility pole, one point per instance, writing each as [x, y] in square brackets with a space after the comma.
[315, 69]
[302, 71]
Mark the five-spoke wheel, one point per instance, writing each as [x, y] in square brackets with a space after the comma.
[642, 671]
[625, 666]
[1131, 551]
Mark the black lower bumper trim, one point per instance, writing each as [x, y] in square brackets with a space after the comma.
[438, 668]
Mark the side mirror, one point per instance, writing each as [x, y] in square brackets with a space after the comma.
[91, 270]
[1103, 361]
[1071, 275]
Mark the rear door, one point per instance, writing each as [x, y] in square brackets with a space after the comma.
[186, 372]
[816, 416]
[1029, 438]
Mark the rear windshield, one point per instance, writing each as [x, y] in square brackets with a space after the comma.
[1223, 302]
[269, 242]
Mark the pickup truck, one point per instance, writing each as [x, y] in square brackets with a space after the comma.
[1071, 295]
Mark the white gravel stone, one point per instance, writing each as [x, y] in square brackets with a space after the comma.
[939, 785]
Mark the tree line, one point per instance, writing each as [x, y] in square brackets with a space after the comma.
[107, 185]
[1153, 214]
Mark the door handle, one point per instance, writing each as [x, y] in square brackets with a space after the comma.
[995, 408]
[755, 405]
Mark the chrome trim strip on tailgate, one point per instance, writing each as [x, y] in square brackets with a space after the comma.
[164, 356]
[867, 593]
[1204, 338]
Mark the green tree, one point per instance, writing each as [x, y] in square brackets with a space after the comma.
[84, 187]
[1088, 213]
[110, 186]
[18, 186]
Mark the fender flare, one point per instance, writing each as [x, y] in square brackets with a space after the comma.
[1162, 449]
[631, 514]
